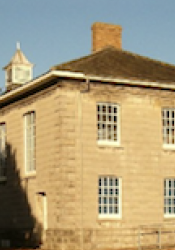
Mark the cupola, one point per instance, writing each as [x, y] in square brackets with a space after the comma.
[18, 71]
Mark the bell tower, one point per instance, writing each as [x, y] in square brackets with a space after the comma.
[18, 71]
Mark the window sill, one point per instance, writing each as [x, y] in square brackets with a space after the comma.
[109, 217]
[108, 144]
[169, 147]
[168, 216]
[30, 175]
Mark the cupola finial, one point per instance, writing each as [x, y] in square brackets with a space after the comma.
[18, 45]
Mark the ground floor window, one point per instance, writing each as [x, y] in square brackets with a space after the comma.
[169, 197]
[2, 151]
[109, 205]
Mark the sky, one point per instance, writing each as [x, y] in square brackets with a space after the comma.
[55, 31]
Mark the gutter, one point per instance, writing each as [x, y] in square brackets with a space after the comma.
[75, 75]
[26, 87]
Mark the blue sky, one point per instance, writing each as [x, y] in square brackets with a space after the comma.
[55, 31]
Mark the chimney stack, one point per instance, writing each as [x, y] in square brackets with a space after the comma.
[104, 34]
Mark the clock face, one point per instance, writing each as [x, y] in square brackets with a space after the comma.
[22, 75]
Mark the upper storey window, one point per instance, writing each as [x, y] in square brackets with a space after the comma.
[2, 151]
[168, 120]
[108, 123]
[30, 138]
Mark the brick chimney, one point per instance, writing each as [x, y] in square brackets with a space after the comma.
[105, 34]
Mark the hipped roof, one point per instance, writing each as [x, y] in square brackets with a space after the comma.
[117, 63]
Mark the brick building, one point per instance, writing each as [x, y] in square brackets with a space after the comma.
[87, 150]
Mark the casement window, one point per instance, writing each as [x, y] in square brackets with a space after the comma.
[109, 203]
[30, 138]
[2, 151]
[168, 124]
[169, 197]
[108, 123]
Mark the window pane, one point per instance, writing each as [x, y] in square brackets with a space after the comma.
[116, 200]
[110, 200]
[111, 182]
[105, 191]
[116, 210]
[110, 210]
[105, 181]
[104, 109]
[115, 110]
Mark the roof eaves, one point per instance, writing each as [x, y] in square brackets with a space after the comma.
[78, 75]
[126, 81]
[27, 86]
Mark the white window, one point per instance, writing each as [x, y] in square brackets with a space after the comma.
[109, 204]
[29, 124]
[168, 120]
[108, 123]
[169, 197]
[2, 151]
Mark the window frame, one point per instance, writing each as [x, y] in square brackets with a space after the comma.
[167, 196]
[167, 127]
[3, 158]
[102, 141]
[32, 147]
[108, 215]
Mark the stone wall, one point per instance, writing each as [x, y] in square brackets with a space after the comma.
[69, 162]
[140, 161]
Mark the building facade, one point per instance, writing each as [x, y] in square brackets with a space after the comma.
[88, 151]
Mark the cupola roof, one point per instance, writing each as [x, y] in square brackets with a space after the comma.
[18, 58]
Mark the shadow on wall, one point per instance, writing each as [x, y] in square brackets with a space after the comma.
[18, 225]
